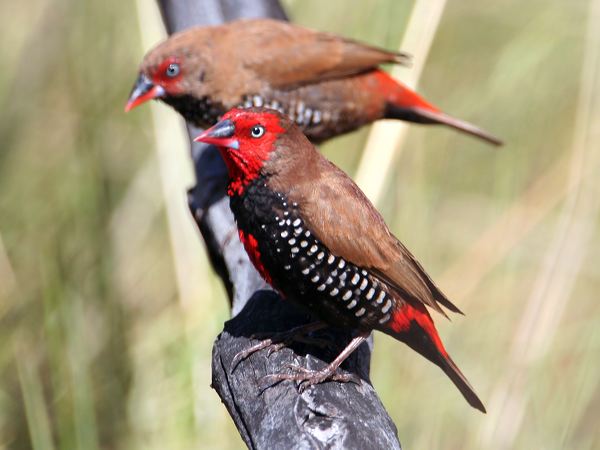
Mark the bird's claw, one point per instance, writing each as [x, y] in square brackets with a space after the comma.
[274, 342]
[274, 348]
[242, 355]
[307, 377]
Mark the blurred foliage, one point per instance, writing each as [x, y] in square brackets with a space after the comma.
[98, 351]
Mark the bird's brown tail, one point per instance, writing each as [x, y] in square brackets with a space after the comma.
[403, 103]
[413, 325]
[419, 114]
[461, 382]
[426, 346]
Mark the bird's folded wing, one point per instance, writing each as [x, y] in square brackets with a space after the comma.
[286, 55]
[350, 226]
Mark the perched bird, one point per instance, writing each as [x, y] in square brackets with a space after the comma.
[328, 85]
[315, 237]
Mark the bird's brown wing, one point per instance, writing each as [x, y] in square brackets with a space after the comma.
[339, 214]
[286, 55]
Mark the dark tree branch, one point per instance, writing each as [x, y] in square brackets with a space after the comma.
[330, 415]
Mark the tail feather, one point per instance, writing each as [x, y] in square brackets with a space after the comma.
[413, 325]
[438, 117]
[460, 381]
[419, 114]
[403, 103]
[433, 350]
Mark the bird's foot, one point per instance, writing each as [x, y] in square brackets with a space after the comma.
[277, 341]
[307, 377]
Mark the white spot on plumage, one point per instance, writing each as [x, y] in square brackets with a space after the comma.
[329, 280]
[315, 278]
[370, 294]
[257, 100]
[363, 285]
[352, 304]
[347, 295]
[284, 234]
[312, 249]
[360, 312]
[305, 271]
[331, 259]
[316, 117]
[334, 292]
[387, 306]
[321, 288]
[292, 241]
[297, 222]
[384, 319]
[342, 264]
[307, 115]
[295, 250]
[380, 297]
[355, 279]
[320, 255]
[303, 244]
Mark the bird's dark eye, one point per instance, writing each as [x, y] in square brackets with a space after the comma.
[173, 70]
[257, 131]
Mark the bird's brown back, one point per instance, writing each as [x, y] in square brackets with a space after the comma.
[248, 55]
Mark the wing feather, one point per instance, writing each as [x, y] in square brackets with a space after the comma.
[350, 226]
[287, 55]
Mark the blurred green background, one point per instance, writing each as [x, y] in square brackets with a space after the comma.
[108, 307]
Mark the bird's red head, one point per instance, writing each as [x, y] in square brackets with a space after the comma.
[246, 138]
[164, 79]
[174, 67]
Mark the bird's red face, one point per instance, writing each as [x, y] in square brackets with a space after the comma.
[157, 82]
[246, 138]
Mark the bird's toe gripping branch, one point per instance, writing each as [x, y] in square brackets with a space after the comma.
[307, 377]
[276, 341]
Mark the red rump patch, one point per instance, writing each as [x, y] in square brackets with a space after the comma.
[251, 246]
[399, 94]
[403, 318]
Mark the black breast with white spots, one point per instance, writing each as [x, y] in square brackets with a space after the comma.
[303, 269]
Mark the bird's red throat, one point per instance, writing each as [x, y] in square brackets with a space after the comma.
[244, 164]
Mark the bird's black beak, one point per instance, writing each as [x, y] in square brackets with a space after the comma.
[220, 135]
[143, 90]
